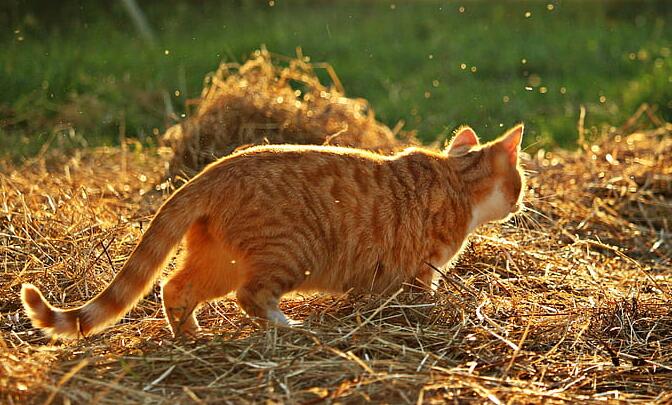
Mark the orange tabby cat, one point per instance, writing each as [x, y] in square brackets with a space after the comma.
[273, 219]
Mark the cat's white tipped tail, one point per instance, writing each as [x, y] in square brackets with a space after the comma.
[131, 283]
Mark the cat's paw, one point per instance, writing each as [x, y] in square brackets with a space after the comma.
[276, 317]
[185, 335]
[293, 323]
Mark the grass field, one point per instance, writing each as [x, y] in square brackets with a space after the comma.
[77, 74]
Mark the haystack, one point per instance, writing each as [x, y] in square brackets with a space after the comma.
[268, 101]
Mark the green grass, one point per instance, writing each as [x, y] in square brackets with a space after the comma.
[72, 82]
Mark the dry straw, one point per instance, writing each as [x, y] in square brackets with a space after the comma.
[570, 302]
[273, 99]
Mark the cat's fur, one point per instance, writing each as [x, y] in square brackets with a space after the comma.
[272, 219]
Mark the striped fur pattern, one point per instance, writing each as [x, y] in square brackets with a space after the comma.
[273, 219]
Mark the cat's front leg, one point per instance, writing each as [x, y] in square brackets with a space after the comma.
[269, 277]
[422, 282]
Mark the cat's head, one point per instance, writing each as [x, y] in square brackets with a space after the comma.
[495, 181]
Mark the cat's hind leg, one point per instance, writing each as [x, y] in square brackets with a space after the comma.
[180, 301]
[208, 271]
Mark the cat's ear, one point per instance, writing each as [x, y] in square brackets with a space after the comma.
[511, 142]
[465, 137]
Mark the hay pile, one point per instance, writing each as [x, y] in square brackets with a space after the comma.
[570, 303]
[273, 100]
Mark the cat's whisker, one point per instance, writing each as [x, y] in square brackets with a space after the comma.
[544, 197]
[538, 213]
[514, 219]
[531, 145]
[532, 221]
[538, 226]
[523, 218]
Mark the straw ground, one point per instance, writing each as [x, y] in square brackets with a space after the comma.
[569, 302]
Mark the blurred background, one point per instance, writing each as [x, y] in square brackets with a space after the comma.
[76, 71]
